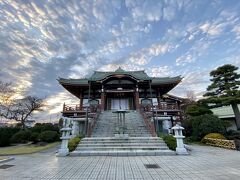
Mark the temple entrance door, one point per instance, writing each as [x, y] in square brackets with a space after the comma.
[119, 104]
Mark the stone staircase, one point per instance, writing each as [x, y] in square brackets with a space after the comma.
[139, 142]
[107, 124]
[132, 146]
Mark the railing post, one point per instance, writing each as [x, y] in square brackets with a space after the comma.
[86, 123]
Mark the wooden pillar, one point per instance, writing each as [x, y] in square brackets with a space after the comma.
[81, 99]
[102, 99]
[158, 96]
[137, 98]
[89, 91]
[150, 87]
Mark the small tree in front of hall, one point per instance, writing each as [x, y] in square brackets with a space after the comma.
[24, 108]
[224, 89]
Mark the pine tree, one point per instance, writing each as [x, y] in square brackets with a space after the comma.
[224, 89]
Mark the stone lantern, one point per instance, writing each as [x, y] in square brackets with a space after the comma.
[66, 130]
[181, 150]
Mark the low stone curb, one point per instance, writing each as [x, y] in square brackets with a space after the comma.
[7, 159]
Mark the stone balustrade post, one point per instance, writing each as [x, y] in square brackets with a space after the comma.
[181, 150]
[66, 130]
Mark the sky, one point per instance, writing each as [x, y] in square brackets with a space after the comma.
[42, 40]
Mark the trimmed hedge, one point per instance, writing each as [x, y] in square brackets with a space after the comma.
[214, 136]
[5, 135]
[41, 127]
[72, 143]
[170, 141]
[49, 136]
[206, 124]
[233, 135]
[22, 136]
[35, 137]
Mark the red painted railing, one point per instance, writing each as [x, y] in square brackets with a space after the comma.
[91, 113]
[73, 107]
[168, 106]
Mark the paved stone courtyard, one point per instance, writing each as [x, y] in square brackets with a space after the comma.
[203, 163]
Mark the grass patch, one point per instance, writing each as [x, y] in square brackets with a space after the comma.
[26, 149]
[2, 158]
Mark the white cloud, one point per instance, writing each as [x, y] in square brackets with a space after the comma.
[199, 49]
[145, 10]
[145, 55]
[160, 71]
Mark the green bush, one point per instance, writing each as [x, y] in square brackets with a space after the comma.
[5, 135]
[22, 136]
[170, 141]
[49, 136]
[72, 143]
[206, 124]
[34, 137]
[40, 127]
[233, 135]
[187, 124]
[213, 136]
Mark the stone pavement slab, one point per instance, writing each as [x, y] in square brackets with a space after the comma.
[203, 163]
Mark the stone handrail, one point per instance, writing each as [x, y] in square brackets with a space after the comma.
[92, 117]
[147, 117]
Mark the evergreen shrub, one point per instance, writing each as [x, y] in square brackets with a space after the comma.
[34, 137]
[213, 136]
[170, 141]
[21, 136]
[49, 136]
[206, 124]
[5, 135]
[72, 143]
[233, 135]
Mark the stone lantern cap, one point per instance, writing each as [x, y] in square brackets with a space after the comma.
[177, 127]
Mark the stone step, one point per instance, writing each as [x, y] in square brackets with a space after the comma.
[124, 153]
[113, 138]
[121, 144]
[121, 141]
[107, 124]
[115, 148]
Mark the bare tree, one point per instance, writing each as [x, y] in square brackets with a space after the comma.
[13, 108]
[191, 96]
[24, 108]
[6, 98]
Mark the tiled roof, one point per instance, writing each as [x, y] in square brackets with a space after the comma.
[139, 75]
[98, 75]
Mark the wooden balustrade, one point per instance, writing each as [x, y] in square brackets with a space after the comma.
[77, 107]
[91, 113]
[166, 107]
